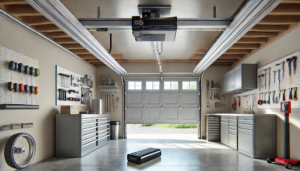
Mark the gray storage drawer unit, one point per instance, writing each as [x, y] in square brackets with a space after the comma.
[213, 128]
[257, 135]
[78, 135]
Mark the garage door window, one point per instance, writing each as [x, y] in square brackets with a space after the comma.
[171, 85]
[189, 85]
[134, 85]
[152, 85]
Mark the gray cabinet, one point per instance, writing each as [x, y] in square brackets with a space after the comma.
[240, 79]
[78, 135]
[224, 130]
[229, 131]
[257, 135]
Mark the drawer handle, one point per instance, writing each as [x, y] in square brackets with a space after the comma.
[89, 134]
[104, 130]
[90, 138]
[89, 123]
[246, 130]
[89, 143]
[245, 124]
[90, 128]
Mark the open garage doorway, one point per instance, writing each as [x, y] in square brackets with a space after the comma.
[162, 131]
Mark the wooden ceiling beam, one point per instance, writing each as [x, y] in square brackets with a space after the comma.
[279, 20]
[244, 46]
[290, 2]
[231, 56]
[221, 64]
[225, 60]
[238, 51]
[46, 28]
[64, 40]
[72, 46]
[286, 9]
[270, 28]
[87, 56]
[253, 40]
[260, 34]
[80, 51]
[21, 10]
[59, 34]
[35, 20]
[13, 2]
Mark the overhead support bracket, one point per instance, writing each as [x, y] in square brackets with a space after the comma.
[210, 24]
[59, 15]
[252, 12]
[158, 55]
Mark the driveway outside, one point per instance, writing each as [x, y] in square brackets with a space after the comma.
[137, 131]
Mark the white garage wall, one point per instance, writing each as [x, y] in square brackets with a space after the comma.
[19, 39]
[284, 46]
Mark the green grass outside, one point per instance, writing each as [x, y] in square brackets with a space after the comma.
[172, 125]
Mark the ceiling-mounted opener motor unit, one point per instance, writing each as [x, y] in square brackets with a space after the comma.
[150, 27]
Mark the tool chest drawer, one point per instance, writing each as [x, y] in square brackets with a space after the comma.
[248, 122]
[245, 126]
[78, 135]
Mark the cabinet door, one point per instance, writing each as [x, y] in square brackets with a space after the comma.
[226, 83]
[245, 141]
[238, 77]
[224, 133]
[232, 141]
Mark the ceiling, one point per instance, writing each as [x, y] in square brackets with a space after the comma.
[189, 46]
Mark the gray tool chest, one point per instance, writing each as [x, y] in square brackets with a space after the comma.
[257, 135]
[229, 131]
[78, 135]
[213, 128]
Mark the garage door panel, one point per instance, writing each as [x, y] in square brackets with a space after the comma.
[188, 114]
[134, 100]
[153, 114]
[170, 114]
[134, 114]
[190, 99]
[170, 99]
[152, 100]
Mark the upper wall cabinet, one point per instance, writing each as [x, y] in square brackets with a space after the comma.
[240, 79]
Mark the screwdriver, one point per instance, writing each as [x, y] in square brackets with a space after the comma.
[290, 96]
[295, 93]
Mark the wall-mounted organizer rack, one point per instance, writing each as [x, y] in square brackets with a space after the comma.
[72, 89]
[18, 80]
[279, 81]
[16, 126]
[214, 94]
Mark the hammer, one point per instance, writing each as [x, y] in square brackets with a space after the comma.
[294, 59]
[282, 68]
[289, 60]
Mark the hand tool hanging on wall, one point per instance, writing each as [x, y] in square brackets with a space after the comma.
[36, 91]
[212, 91]
[295, 93]
[282, 69]
[207, 93]
[269, 77]
[265, 78]
[290, 94]
[31, 72]
[283, 95]
[294, 59]
[278, 80]
[269, 100]
[274, 72]
[26, 88]
[263, 98]
[273, 97]
[10, 87]
[262, 76]
[289, 60]
[31, 90]
[36, 74]
[260, 102]
[259, 84]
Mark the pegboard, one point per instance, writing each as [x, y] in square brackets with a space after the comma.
[286, 81]
[7, 75]
[67, 84]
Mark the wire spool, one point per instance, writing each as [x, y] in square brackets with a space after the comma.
[20, 150]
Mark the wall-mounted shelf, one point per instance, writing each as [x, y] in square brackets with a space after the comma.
[15, 126]
[109, 88]
[18, 106]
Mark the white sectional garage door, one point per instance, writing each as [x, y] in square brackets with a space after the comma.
[172, 100]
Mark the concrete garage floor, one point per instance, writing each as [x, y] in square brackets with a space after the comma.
[177, 155]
